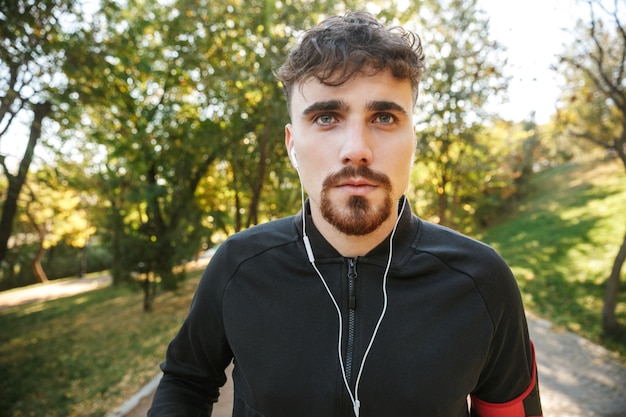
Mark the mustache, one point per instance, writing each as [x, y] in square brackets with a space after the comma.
[361, 171]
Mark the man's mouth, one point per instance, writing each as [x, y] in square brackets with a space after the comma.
[357, 186]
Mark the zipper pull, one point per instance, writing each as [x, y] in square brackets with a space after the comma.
[352, 283]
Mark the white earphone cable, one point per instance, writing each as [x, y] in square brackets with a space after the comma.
[354, 398]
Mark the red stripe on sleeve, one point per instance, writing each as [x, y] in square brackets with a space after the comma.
[513, 408]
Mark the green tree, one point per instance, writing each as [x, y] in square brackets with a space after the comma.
[593, 107]
[139, 78]
[173, 94]
[243, 52]
[30, 56]
[463, 72]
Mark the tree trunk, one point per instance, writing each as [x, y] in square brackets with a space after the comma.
[257, 188]
[238, 220]
[149, 291]
[610, 325]
[9, 208]
[37, 268]
[442, 202]
[40, 274]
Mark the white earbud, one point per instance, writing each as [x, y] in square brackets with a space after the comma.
[294, 160]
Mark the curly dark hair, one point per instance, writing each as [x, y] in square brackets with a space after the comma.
[342, 47]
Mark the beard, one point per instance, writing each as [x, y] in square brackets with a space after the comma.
[358, 216]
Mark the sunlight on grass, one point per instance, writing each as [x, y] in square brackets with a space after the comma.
[562, 243]
[85, 355]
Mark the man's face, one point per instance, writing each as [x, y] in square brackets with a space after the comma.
[354, 145]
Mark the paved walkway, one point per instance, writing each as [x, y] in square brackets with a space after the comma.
[577, 378]
[52, 290]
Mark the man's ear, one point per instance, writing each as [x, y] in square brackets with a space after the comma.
[289, 144]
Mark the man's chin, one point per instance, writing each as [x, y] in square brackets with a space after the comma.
[356, 230]
[356, 217]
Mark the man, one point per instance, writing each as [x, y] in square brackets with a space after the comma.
[354, 306]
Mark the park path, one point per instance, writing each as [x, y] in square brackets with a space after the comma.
[577, 377]
[52, 290]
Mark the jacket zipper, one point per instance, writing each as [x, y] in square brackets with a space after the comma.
[352, 275]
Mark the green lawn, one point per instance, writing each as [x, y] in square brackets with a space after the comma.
[561, 242]
[85, 355]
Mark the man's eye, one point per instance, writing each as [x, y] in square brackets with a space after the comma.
[384, 118]
[325, 119]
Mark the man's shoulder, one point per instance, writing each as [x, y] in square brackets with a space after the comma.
[261, 238]
[279, 228]
[470, 257]
[453, 246]
[436, 233]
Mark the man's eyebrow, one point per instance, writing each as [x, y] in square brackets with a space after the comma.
[385, 106]
[328, 105]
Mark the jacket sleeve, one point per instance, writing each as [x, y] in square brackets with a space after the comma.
[508, 384]
[527, 404]
[193, 370]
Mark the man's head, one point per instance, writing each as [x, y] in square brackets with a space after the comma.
[351, 86]
[342, 47]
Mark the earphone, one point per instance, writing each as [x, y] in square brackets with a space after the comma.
[294, 160]
[305, 238]
[354, 397]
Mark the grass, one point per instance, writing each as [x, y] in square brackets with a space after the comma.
[561, 243]
[85, 355]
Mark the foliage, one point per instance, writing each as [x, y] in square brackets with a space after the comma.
[54, 213]
[30, 57]
[187, 115]
[463, 72]
[517, 151]
[593, 105]
[144, 87]
[560, 242]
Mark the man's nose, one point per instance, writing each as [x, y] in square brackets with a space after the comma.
[356, 147]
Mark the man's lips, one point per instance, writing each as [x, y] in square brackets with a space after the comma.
[356, 183]
[357, 186]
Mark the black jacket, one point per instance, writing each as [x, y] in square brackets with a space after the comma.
[454, 327]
